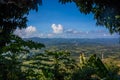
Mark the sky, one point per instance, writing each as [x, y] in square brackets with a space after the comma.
[55, 20]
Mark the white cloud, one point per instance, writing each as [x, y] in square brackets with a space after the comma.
[30, 29]
[59, 32]
[57, 29]
[71, 31]
[89, 34]
[50, 35]
[27, 32]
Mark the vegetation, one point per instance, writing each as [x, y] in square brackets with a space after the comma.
[94, 69]
[19, 62]
[13, 15]
[12, 57]
[106, 13]
[110, 48]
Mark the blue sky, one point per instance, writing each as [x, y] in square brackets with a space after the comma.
[54, 20]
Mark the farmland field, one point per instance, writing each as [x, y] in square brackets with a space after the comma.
[106, 48]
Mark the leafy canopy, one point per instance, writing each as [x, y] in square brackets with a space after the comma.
[106, 12]
[13, 15]
[14, 12]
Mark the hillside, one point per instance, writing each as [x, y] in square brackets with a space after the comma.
[83, 41]
[110, 47]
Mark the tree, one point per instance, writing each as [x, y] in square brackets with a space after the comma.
[56, 65]
[13, 15]
[13, 56]
[92, 68]
[106, 12]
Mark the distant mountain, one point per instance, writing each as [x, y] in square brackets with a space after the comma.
[76, 41]
[108, 46]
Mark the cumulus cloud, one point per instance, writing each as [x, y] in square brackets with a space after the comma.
[50, 35]
[57, 29]
[27, 32]
[60, 32]
[89, 34]
[72, 31]
[30, 29]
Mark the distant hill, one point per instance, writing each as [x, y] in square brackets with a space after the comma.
[76, 41]
[108, 46]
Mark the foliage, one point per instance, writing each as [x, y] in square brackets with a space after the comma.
[12, 57]
[94, 69]
[55, 65]
[16, 62]
[18, 45]
[13, 15]
[106, 12]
